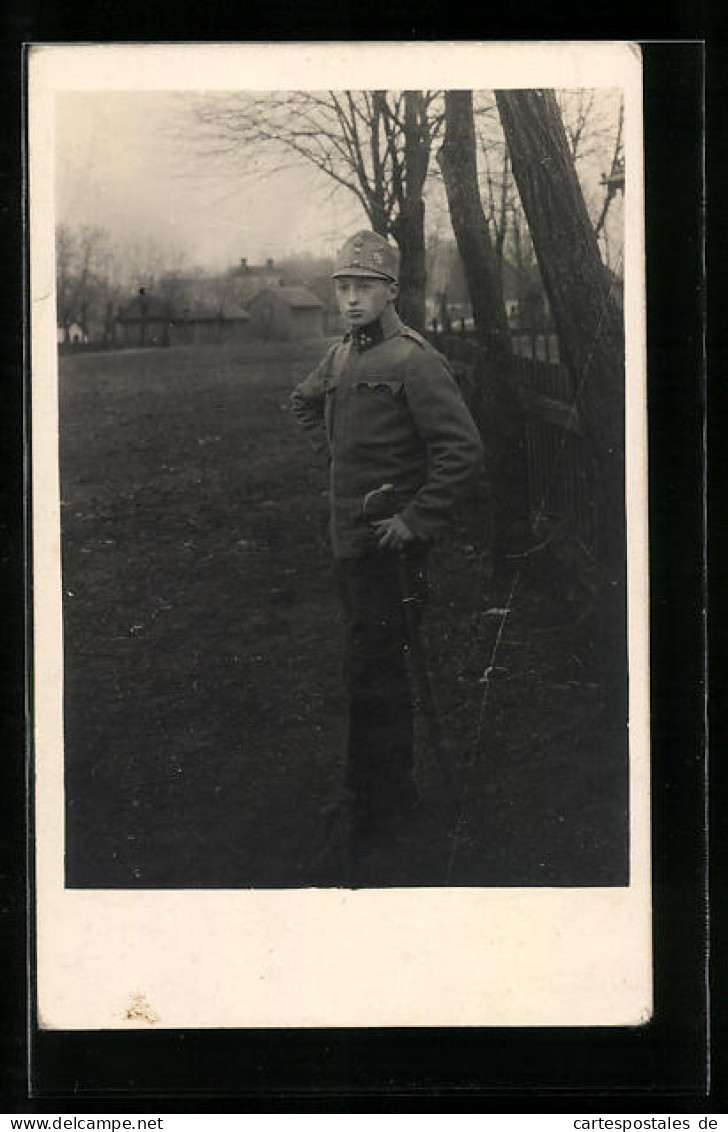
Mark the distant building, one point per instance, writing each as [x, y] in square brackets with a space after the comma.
[195, 309]
[286, 313]
[322, 286]
[248, 280]
[145, 321]
[73, 334]
[210, 324]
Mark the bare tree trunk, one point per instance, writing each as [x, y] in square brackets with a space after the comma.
[503, 215]
[378, 217]
[505, 432]
[409, 227]
[457, 161]
[585, 311]
[409, 232]
[591, 336]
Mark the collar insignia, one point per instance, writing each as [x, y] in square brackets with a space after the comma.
[364, 337]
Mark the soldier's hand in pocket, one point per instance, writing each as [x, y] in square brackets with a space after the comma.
[392, 534]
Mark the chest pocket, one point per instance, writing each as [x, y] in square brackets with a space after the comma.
[383, 389]
[379, 408]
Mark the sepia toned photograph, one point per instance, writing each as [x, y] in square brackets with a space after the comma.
[339, 502]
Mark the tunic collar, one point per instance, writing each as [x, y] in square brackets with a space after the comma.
[365, 337]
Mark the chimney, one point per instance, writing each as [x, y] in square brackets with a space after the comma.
[244, 263]
[269, 263]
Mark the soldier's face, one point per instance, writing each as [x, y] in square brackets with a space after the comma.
[361, 299]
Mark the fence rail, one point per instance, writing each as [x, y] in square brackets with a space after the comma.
[560, 474]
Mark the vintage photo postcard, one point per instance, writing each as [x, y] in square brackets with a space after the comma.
[339, 535]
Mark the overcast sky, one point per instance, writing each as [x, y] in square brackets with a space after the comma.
[122, 166]
[127, 162]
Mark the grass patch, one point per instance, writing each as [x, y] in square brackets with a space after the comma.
[204, 713]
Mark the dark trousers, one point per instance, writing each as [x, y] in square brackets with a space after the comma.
[380, 739]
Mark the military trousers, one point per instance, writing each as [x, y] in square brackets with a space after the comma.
[379, 764]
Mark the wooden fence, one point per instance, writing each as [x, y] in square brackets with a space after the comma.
[560, 474]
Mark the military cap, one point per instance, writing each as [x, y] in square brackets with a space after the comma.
[369, 254]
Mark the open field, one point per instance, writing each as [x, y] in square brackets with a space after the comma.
[205, 718]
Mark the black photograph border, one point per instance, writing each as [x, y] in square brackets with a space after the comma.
[663, 1061]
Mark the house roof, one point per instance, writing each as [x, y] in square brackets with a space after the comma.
[262, 269]
[296, 297]
[145, 307]
[194, 307]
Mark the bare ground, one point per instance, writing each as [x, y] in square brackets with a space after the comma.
[204, 713]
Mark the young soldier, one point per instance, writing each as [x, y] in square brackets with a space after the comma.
[384, 405]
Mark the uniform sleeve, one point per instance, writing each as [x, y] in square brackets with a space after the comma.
[307, 404]
[454, 448]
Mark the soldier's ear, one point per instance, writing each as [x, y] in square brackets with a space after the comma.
[393, 290]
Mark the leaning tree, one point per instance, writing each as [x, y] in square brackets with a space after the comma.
[505, 428]
[588, 320]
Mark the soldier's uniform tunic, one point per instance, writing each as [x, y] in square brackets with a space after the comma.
[385, 407]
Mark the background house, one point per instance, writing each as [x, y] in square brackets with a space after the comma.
[286, 312]
[73, 334]
[145, 321]
[248, 280]
[294, 300]
[322, 286]
[206, 309]
[210, 324]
